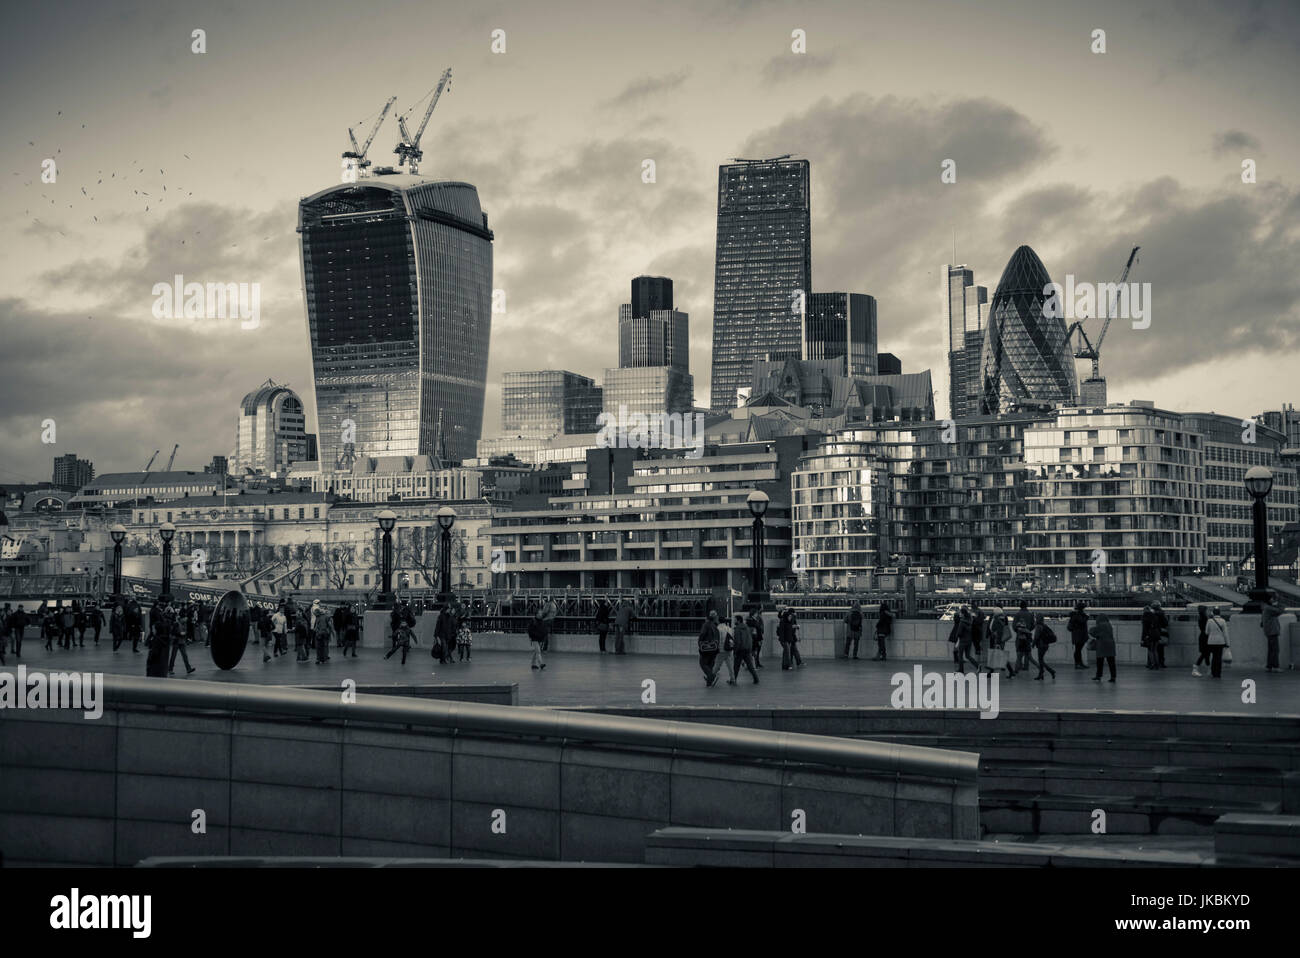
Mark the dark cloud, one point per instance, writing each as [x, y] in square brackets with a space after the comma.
[640, 90]
[1232, 142]
[792, 66]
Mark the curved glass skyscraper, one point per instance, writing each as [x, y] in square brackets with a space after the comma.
[397, 276]
[1027, 361]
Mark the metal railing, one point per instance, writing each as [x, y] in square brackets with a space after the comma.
[905, 760]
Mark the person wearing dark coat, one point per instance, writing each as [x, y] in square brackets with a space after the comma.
[755, 623]
[603, 615]
[1104, 638]
[1043, 639]
[787, 631]
[743, 640]
[960, 636]
[117, 625]
[709, 644]
[1078, 626]
[447, 630]
[884, 628]
[853, 629]
[1268, 621]
[1202, 648]
[163, 621]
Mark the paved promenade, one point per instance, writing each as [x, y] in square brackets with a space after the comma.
[581, 678]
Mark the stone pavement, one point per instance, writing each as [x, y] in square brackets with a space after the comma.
[589, 678]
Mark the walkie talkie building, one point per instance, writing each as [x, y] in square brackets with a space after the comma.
[397, 277]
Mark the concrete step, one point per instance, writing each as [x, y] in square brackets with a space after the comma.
[1161, 781]
[1032, 813]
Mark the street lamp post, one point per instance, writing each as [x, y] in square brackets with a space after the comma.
[757, 502]
[446, 519]
[118, 532]
[1259, 482]
[166, 532]
[387, 519]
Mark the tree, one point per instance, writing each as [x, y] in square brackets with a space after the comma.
[419, 547]
[339, 560]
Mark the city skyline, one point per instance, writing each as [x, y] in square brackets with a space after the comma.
[1217, 251]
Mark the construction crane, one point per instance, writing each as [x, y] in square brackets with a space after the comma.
[149, 464]
[1092, 392]
[358, 153]
[408, 150]
[172, 458]
[741, 159]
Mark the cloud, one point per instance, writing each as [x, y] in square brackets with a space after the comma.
[791, 66]
[640, 90]
[1232, 142]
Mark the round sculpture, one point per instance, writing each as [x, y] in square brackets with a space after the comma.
[229, 630]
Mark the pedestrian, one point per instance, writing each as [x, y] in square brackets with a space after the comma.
[117, 625]
[80, 622]
[201, 616]
[134, 623]
[1103, 645]
[176, 636]
[537, 639]
[708, 644]
[96, 616]
[17, 626]
[1078, 626]
[339, 621]
[728, 647]
[68, 622]
[1162, 633]
[743, 640]
[603, 614]
[1043, 639]
[402, 639]
[464, 642]
[1023, 626]
[322, 631]
[1217, 641]
[755, 623]
[448, 631]
[960, 636]
[977, 623]
[884, 628]
[49, 629]
[792, 638]
[162, 623]
[1268, 621]
[549, 611]
[997, 658]
[853, 622]
[279, 625]
[351, 634]
[623, 625]
[1202, 640]
[302, 638]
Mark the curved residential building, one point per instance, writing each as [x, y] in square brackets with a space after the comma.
[272, 431]
[1027, 361]
[397, 277]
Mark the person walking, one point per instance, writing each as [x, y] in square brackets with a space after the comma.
[537, 639]
[1103, 643]
[1217, 640]
[728, 647]
[402, 640]
[17, 626]
[708, 644]
[549, 611]
[279, 625]
[788, 632]
[177, 637]
[603, 615]
[96, 616]
[755, 623]
[323, 631]
[80, 620]
[350, 632]
[464, 641]
[977, 624]
[743, 639]
[1202, 640]
[1043, 639]
[447, 629]
[1023, 626]
[134, 623]
[1268, 621]
[1078, 627]
[853, 622]
[68, 622]
[997, 658]
[960, 636]
[1162, 633]
[884, 628]
[162, 625]
[623, 625]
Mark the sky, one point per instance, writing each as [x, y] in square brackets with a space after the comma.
[173, 162]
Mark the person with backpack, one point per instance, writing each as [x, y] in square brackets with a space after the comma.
[854, 634]
[884, 628]
[755, 623]
[1217, 640]
[603, 615]
[1078, 626]
[709, 643]
[1043, 638]
[1103, 645]
[1023, 626]
[537, 632]
[743, 640]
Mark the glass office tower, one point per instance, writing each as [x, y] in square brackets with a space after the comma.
[1027, 361]
[763, 265]
[397, 275]
[842, 324]
[548, 402]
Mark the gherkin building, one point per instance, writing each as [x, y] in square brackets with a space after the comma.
[1027, 362]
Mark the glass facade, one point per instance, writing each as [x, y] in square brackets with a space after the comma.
[547, 402]
[650, 294]
[1027, 360]
[839, 498]
[763, 264]
[967, 308]
[271, 433]
[660, 338]
[842, 324]
[397, 274]
[649, 390]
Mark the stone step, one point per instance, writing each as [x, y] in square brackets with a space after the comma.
[1032, 813]
[1161, 781]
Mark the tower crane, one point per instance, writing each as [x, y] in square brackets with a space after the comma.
[1093, 389]
[172, 458]
[358, 153]
[149, 464]
[408, 150]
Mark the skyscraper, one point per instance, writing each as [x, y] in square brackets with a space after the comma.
[1027, 361]
[271, 432]
[548, 402]
[967, 304]
[397, 271]
[72, 473]
[653, 374]
[842, 324]
[763, 269]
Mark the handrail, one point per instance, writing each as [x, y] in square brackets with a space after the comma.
[899, 759]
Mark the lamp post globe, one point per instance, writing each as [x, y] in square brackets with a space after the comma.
[386, 518]
[446, 519]
[1259, 482]
[757, 501]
